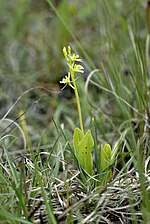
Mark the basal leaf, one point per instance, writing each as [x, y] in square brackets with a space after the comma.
[84, 150]
[105, 158]
[77, 137]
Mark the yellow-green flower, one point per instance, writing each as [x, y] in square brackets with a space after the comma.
[67, 80]
[71, 58]
[76, 68]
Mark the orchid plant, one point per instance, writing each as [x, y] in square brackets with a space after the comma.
[83, 142]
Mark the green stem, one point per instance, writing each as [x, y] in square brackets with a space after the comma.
[77, 100]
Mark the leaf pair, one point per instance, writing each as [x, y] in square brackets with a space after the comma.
[83, 144]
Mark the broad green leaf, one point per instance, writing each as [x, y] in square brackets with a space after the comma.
[105, 156]
[77, 137]
[84, 152]
[105, 160]
[83, 146]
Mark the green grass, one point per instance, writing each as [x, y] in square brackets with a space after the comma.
[41, 180]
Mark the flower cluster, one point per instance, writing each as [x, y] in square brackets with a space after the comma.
[71, 62]
[70, 57]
